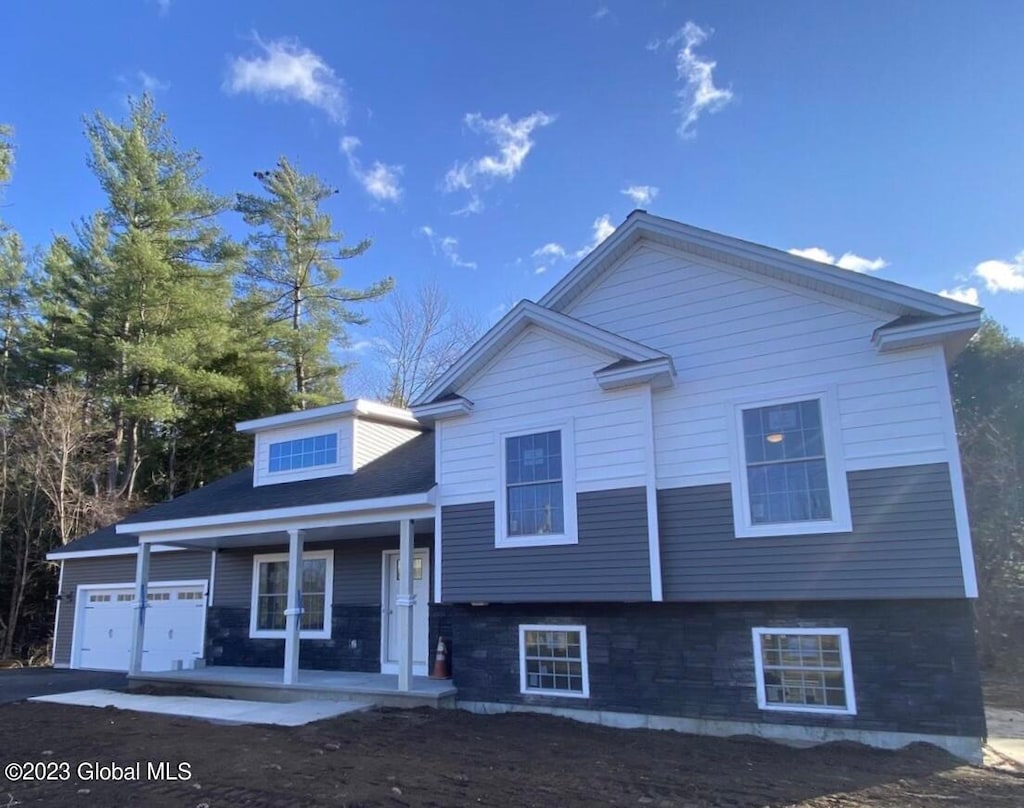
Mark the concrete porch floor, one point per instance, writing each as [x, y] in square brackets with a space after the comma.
[265, 684]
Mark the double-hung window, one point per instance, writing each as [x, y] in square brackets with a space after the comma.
[536, 502]
[270, 595]
[790, 479]
[804, 670]
[553, 660]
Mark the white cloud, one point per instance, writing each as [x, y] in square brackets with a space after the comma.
[151, 84]
[965, 294]
[448, 246]
[288, 71]
[513, 141]
[540, 270]
[380, 180]
[162, 7]
[699, 94]
[847, 260]
[475, 205]
[641, 194]
[601, 13]
[1002, 276]
[602, 228]
[550, 250]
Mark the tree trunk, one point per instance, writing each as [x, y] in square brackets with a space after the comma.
[300, 368]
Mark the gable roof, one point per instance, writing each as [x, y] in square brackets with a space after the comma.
[522, 316]
[866, 290]
[407, 469]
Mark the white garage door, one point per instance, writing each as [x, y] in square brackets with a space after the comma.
[174, 627]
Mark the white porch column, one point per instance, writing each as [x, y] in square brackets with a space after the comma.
[406, 602]
[139, 624]
[293, 612]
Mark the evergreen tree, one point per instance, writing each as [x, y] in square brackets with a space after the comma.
[146, 288]
[291, 278]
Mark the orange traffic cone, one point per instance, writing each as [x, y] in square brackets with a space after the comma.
[442, 669]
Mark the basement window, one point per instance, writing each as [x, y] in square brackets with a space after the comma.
[553, 660]
[804, 670]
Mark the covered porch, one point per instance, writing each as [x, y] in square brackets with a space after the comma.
[291, 533]
[264, 684]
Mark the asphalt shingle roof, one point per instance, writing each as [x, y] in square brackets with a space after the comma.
[408, 469]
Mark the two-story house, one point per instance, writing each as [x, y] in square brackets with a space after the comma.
[701, 485]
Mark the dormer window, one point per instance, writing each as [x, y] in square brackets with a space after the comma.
[304, 453]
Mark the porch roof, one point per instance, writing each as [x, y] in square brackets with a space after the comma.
[408, 469]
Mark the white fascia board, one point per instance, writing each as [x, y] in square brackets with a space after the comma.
[357, 407]
[912, 335]
[450, 408]
[277, 515]
[57, 555]
[185, 536]
[659, 373]
[527, 313]
[639, 223]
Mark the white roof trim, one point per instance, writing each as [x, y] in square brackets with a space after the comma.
[659, 373]
[887, 295]
[448, 408]
[57, 555]
[896, 337]
[352, 507]
[358, 407]
[524, 314]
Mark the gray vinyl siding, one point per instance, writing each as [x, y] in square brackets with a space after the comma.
[903, 545]
[357, 571]
[611, 562]
[172, 566]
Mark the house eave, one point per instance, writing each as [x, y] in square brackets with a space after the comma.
[443, 410]
[357, 407]
[276, 516]
[866, 290]
[953, 331]
[525, 314]
[659, 373]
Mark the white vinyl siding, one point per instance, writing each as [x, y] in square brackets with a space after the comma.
[733, 335]
[373, 439]
[529, 385]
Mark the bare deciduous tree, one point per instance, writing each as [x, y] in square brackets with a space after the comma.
[418, 337]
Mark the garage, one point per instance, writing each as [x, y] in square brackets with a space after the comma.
[175, 626]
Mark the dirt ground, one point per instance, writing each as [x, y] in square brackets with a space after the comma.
[452, 758]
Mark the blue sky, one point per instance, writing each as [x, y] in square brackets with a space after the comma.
[486, 145]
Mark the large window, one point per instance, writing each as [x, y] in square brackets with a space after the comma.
[304, 453]
[533, 484]
[270, 595]
[789, 480]
[553, 660]
[804, 670]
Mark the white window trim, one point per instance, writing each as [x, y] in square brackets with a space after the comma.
[305, 634]
[570, 534]
[839, 496]
[533, 691]
[844, 650]
[316, 466]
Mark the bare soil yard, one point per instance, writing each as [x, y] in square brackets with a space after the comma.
[451, 758]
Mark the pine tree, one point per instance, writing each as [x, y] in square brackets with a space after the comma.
[145, 286]
[291, 279]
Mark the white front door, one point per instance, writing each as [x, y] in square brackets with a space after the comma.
[420, 612]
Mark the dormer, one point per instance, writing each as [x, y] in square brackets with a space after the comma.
[326, 441]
